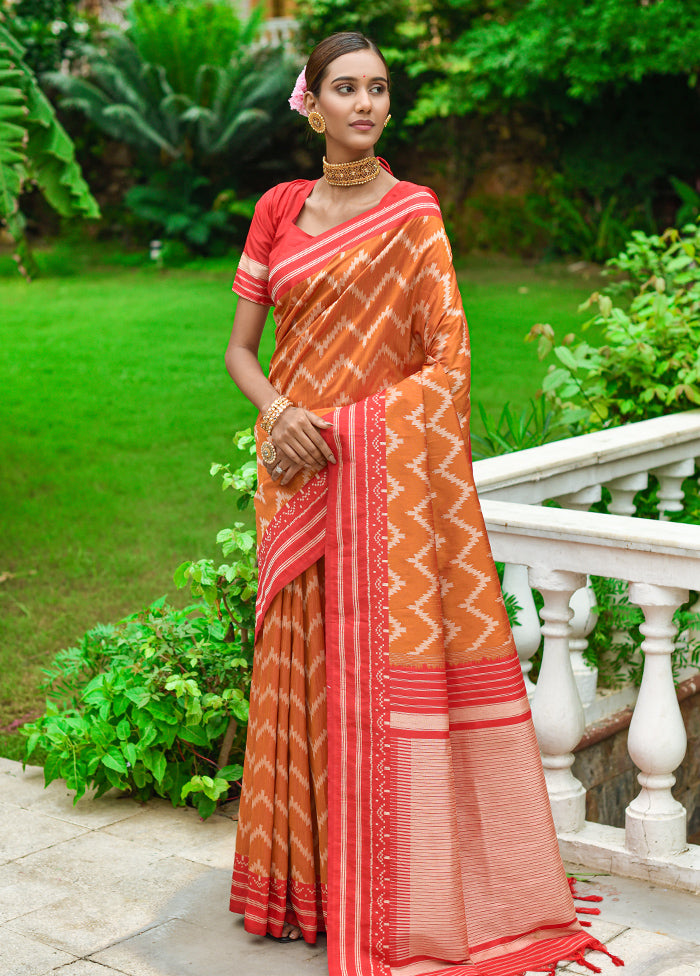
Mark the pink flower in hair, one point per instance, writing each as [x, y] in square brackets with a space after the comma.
[297, 98]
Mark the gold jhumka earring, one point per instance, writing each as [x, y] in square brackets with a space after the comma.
[387, 120]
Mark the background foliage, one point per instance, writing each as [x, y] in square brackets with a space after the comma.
[648, 363]
[34, 150]
[189, 90]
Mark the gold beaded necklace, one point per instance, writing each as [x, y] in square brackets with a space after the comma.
[351, 174]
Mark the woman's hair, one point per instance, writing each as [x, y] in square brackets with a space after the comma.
[334, 47]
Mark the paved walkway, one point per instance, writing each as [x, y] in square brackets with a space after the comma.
[116, 888]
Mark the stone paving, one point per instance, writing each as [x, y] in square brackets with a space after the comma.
[117, 888]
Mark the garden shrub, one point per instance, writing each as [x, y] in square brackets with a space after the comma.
[649, 361]
[157, 705]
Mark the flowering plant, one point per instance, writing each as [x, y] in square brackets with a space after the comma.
[296, 100]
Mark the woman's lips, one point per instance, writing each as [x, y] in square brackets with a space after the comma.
[362, 125]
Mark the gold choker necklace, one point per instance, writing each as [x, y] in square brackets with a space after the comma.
[351, 174]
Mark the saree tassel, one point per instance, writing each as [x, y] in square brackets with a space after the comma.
[575, 894]
[584, 924]
[585, 910]
[579, 958]
[599, 947]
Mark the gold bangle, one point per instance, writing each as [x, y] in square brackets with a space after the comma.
[274, 412]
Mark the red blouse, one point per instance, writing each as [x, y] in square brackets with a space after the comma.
[274, 238]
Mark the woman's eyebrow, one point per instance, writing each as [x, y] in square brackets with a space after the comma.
[347, 78]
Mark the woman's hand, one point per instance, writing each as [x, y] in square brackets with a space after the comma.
[299, 444]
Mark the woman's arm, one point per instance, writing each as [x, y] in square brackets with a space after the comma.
[296, 434]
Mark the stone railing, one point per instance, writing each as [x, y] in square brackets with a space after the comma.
[555, 550]
[277, 32]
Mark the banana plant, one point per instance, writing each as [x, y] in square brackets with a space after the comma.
[34, 150]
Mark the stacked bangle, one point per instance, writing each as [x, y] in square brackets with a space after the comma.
[274, 412]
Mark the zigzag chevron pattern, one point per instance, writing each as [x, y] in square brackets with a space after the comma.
[358, 326]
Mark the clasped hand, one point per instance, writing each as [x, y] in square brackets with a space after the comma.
[299, 444]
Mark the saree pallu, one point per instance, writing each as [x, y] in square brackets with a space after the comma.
[393, 792]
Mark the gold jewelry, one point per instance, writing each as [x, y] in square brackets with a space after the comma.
[351, 174]
[317, 122]
[387, 120]
[274, 412]
[268, 452]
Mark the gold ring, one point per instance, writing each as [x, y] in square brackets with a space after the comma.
[268, 452]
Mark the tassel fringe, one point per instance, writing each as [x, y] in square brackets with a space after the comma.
[594, 947]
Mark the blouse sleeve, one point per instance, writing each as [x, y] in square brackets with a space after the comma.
[253, 271]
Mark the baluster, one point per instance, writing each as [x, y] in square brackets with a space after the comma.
[622, 492]
[584, 619]
[557, 711]
[655, 823]
[582, 603]
[670, 493]
[526, 632]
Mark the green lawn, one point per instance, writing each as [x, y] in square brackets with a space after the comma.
[114, 403]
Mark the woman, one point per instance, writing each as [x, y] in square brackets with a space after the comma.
[393, 791]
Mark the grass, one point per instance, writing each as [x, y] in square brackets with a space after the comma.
[115, 401]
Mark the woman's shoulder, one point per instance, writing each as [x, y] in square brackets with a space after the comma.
[417, 191]
[279, 197]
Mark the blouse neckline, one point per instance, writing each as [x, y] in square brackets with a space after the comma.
[350, 220]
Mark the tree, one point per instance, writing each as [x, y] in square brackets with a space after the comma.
[34, 150]
[549, 54]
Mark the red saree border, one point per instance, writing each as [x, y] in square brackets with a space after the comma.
[356, 663]
[268, 903]
[303, 263]
[294, 540]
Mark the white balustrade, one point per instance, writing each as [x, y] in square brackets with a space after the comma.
[526, 630]
[655, 823]
[557, 711]
[671, 478]
[583, 604]
[583, 620]
[623, 490]
[661, 561]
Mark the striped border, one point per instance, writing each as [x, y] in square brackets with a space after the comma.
[294, 540]
[299, 266]
[356, 651]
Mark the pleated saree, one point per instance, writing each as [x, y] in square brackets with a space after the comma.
[393, 793]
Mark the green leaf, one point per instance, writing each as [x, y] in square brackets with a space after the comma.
[114, 760]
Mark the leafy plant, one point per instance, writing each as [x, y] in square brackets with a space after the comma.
[182, 36]
[226, 107]
[34, 149]
[154, 705]
[535, 425]
[619, 661]
[573, 223]
[690, 201]
[200, 127]
[49, 30]
[158, 703]
[650, 360]
[170, 203]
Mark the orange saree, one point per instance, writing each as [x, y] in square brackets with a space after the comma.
[393, 793]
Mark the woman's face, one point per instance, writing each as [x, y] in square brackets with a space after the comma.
[354, 101]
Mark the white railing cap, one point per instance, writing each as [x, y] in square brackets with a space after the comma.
[634, 549]
[568, 465]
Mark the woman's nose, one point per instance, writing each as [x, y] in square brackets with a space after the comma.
[363, 101]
